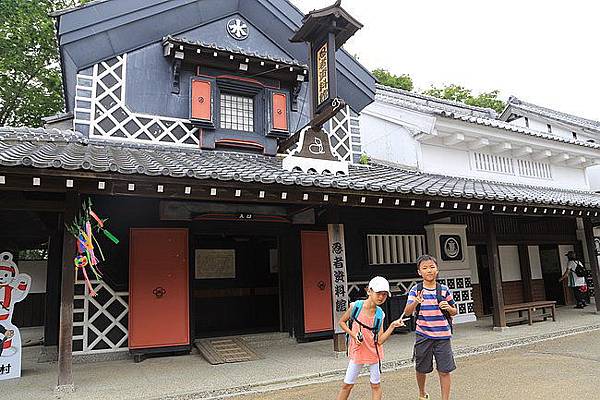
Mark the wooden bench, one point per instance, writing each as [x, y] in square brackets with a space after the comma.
[547, 308]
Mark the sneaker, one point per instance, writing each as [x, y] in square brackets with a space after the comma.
[424, 398]
[579, 307]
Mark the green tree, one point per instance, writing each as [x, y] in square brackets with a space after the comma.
[30, 78]
[464, 95]
[386, 78]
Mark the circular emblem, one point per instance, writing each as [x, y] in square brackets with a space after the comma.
[451, 248]
[237, 29]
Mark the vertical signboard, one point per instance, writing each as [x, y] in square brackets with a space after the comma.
[322, 74]
[339, 276]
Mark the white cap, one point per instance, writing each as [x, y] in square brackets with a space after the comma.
[380, 284]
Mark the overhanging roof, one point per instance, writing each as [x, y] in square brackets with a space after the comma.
[517, 106]
[462, 112]
[67, 150]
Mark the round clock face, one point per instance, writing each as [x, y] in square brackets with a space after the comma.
[237, 29]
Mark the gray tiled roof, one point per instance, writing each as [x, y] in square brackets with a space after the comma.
[462, 112]
[69, 150]
[234, 50]
[514, 104]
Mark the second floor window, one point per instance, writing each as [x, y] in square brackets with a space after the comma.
[237, 112]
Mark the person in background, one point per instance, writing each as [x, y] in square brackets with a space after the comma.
[575, 273]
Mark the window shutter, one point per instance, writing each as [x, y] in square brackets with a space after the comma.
[202, 102]
[279, 113]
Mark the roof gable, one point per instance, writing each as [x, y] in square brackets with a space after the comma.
[518, 107]
[112, 27]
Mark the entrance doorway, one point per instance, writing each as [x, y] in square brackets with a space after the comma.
[235, 285]
[551, 273]
[485, 283]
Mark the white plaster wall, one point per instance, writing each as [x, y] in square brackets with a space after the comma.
[388, 141]
[534, 262]
[509, 263]
[472, 250]
[449, 268]
[538, 125]
[447, 161]
[562, 250]
[519, 122]
[593, 175]
[37, 271]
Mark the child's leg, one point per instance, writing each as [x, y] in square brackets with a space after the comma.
[349, 380]
[444, 359]
[375, 378]
[423, 355]
[421, 379]
[445, 382]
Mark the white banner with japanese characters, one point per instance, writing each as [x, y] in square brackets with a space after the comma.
[339, 275]
[14, 287]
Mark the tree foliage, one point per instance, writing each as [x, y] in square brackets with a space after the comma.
[461, 94]
[30, 78]
[386, 78]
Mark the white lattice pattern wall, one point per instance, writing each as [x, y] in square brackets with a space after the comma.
[99, 323]
[100, 109]
[344, 133]
[461, 288]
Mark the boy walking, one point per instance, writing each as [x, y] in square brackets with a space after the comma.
[434, 308]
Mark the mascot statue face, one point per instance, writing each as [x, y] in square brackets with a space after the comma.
[8, 269]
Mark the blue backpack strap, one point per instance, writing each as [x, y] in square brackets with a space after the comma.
[378, 320]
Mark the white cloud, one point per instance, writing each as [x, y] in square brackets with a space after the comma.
[545, 52]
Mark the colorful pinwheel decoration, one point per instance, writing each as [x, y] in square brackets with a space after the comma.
[87, 244]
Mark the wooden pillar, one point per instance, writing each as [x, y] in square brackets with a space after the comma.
[588, 229]
[495, 275]
[67, 289]
[53, 285]
[339, 338]
[525, 273]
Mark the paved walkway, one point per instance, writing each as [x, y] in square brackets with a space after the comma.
[565, 368]
[285, 363]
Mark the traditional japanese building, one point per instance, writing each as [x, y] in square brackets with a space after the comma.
[192, 126]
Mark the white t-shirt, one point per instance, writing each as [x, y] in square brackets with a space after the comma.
[574, 280]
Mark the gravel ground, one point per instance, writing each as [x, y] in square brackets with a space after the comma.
[563, 368]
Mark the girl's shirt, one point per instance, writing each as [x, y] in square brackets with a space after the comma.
[364, 353]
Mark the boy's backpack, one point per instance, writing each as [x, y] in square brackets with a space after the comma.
[580, 270]
[377, 322]
[440, 298]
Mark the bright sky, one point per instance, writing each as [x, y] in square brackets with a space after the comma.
[544, 52]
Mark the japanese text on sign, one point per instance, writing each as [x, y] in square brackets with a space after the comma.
[322, 75]
[339, 278]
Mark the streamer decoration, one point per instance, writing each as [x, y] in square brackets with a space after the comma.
[82, 228]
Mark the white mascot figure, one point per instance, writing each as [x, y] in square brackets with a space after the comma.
[14, 287]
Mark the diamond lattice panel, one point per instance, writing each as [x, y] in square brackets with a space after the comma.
[112, 119]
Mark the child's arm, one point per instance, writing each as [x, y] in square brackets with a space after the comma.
[384, 336]
[449, 305]
[343, 322]
[414, 298]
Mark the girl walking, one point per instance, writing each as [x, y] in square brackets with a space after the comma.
[363, 323]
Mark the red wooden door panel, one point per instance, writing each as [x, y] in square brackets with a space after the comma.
[158, 288]
[316, 282]
[201, 100]
[280, 121]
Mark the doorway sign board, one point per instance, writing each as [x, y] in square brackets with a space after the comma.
[158, 288]
[316, 282]
[339, 274]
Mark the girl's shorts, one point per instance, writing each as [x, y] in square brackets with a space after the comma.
[354, 370]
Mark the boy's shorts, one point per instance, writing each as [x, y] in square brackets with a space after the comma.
[354, 370]
[426, 349]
